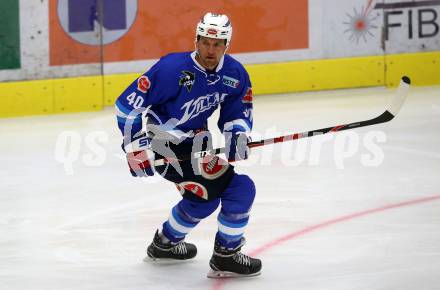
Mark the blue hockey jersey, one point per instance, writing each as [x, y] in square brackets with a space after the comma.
[179, 95]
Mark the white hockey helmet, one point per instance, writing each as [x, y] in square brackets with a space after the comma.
[215, 26]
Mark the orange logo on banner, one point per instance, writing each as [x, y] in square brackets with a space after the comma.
[257, 27]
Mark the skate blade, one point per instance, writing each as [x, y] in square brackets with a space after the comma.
[225, 274]
[149, 259]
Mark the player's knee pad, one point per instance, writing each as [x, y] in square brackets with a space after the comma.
[198, 210]
[239, 195]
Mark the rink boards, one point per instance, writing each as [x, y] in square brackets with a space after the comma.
[92, 93]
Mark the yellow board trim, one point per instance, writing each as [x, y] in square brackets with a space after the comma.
[91, 93]
[422, 68]
[51, 96]
[77, 94]
[316, 75]
[26, 98]
[114, 85]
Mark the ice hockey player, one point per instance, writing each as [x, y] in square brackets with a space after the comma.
[178, 95]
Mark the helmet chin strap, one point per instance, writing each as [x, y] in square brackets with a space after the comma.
[195, 48]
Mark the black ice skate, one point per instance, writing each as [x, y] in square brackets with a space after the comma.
[158, 250]
[227, 263]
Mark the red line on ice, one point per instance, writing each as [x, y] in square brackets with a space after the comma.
[218, 284]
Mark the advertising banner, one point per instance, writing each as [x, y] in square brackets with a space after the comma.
[392, 27]
[9, 34]
[68, 38]
[126, 30]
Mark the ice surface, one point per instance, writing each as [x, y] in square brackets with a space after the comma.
[86, 225]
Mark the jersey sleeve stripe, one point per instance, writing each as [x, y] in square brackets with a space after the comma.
[122, 114]
[122, 108]
[242, 124]
[133, 120]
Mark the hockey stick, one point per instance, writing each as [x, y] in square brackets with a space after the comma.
[391, 111]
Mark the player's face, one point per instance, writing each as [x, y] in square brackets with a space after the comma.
[210, 51]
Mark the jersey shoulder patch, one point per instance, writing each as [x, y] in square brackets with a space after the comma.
[143, 84]
[230, 82]
[248, 98]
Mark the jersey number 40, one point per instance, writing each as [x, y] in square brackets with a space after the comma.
[135, 101]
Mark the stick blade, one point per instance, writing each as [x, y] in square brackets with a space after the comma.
[400, 97]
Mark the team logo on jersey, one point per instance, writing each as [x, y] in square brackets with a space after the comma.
[248, 97]
[230, 82]
[143, 84]
[195, 107]
[187, 79]
[193, 187]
